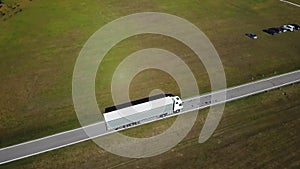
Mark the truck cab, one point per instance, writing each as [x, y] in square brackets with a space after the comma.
[177, 104]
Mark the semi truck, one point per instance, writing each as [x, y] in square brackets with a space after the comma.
[143, 112]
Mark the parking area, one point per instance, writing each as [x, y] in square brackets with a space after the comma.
[277, 30]
[281, 29]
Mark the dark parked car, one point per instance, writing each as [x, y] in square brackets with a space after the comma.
[277, 30]
[282, 29]
[251, 35]
[297, 27]
[270, 31]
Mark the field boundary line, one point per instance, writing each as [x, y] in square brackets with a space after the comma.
[292, 3]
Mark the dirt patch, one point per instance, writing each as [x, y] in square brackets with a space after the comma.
[9, 9]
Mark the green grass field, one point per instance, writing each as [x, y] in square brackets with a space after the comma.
[39, 47]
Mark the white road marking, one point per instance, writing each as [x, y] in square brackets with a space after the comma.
[290, 3]
[43, 138]
[29, 155]
[239, 97]
[243, 85]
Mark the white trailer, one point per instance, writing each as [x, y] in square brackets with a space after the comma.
[143, 112]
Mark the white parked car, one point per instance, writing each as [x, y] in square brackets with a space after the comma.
[288, 27]
[291, 26]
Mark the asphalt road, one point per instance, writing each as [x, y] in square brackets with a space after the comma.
[71, 137]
